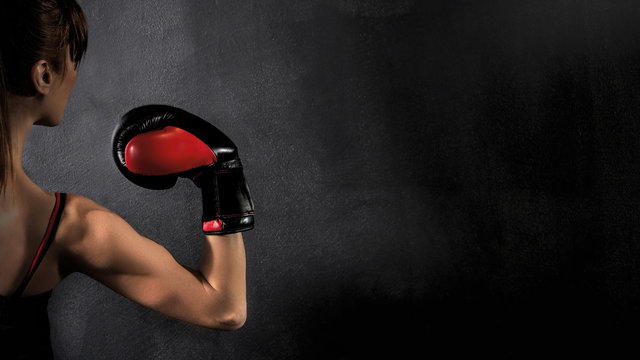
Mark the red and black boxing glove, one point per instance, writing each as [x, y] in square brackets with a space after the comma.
[155, 144]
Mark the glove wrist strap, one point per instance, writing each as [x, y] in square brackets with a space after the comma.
[226, 204]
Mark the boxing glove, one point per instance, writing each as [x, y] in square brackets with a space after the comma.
[154, 145]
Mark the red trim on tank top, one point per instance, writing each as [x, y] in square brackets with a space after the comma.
[46, 234]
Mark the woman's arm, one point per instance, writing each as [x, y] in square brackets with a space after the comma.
[102, 245]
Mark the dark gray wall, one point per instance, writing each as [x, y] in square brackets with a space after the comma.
[442, 177]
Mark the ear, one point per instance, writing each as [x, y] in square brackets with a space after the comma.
[42, 77]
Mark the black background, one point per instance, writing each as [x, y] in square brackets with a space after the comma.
[430, 178]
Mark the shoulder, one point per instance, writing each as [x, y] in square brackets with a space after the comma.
[83, 216]
[86, 230]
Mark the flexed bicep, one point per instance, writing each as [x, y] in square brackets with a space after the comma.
[110, 251]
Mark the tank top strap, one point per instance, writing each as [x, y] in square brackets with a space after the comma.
[54, 220]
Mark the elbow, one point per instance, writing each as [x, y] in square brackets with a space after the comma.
[235, 321]
[230, 320]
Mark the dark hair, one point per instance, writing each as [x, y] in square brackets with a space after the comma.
[30, 31]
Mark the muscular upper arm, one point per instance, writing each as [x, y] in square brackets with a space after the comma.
[105, 247]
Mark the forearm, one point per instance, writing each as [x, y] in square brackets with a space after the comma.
[223, 265]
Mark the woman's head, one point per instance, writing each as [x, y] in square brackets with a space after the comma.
[34, 30]
[38, 39]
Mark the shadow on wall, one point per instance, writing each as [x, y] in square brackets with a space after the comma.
[356, 324]
[453, 322]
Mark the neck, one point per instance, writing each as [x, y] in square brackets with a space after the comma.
[21, 119]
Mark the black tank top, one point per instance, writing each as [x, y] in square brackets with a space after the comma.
[24, 322]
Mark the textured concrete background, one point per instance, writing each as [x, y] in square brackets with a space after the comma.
[442, 177]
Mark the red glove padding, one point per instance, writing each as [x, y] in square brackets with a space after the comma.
[166, 151]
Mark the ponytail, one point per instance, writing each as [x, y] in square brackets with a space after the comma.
[6, 165]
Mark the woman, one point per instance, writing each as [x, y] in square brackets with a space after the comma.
[46, 236]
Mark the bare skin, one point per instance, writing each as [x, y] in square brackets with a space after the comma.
[97, 242]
